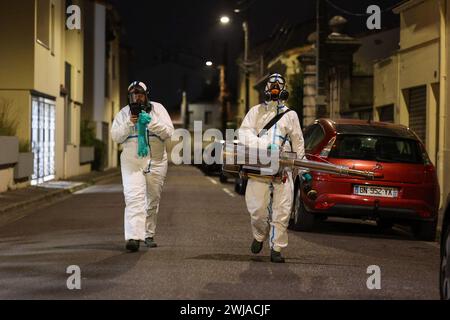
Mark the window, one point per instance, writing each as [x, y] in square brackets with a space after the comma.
[386, 113]
[43, 22]
[313, 136]
[68, 79]
[417, 109]
[376, 148]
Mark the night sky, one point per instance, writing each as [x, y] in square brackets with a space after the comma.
[171, 40]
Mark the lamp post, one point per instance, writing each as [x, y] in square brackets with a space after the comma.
[226, 20]
[246, 66]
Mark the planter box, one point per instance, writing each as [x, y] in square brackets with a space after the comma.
[24, 167]
[9, 150]
[86, 155]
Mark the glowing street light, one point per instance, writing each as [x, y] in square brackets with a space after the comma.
[224, 20]
[208, 63]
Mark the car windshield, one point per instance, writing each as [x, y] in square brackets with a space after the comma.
[377, 148]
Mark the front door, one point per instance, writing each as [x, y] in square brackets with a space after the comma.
[43, 139]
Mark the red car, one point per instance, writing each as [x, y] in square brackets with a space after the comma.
[405, 189]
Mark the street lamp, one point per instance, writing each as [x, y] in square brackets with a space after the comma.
[208, 63]
[224, 20]
[247, 74]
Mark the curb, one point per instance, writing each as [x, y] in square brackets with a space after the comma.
[25, 204]
[56, 194]
[105, 177]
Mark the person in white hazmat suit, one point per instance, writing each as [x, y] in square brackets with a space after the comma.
[142, 127]
[268, 202]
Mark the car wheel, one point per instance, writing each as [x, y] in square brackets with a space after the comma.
[444, 279]
[240, 186]
[206, 169]
[223, 178]
[301, 219]
[236, 185]
[425, 231]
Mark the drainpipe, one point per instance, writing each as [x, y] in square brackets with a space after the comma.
[442, 152]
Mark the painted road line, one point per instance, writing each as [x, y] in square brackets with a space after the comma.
[212, 180]
[228, 192]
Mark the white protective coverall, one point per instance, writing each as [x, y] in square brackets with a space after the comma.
[270, 204]
[142, 191]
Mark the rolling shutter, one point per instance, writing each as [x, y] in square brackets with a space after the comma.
[417, 108]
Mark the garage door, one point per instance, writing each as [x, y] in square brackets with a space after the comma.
[417, 108]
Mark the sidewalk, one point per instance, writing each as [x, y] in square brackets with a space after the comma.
[35, 195]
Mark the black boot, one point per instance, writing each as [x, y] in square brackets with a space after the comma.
[149, 242]
[276, 257]
[132, 245]
[256, 246]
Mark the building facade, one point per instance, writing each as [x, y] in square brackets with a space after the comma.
[411, 86]
[46, 80]
[103, 83]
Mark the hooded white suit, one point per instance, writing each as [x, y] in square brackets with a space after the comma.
[270, 204]
[142, 191]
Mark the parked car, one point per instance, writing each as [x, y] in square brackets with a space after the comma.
[444, 279]
[405, 189]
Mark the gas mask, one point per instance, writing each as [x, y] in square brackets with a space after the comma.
[276, 88]
[138, 98]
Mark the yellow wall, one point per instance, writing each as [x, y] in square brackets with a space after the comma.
[419, 65]
[385, 83]
[6, 179]
[418, 24]
[47, 62]
[16, 54]
[74, 54]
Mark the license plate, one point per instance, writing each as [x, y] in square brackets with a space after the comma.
[373, 191]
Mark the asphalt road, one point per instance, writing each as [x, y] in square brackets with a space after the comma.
[204, 237]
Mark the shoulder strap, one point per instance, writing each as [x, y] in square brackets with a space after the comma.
[272, 122]
[149, 107]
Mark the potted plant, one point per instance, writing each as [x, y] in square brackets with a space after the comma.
[9, 144]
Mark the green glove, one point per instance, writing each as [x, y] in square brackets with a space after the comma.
[144, 118]
[143, 121]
